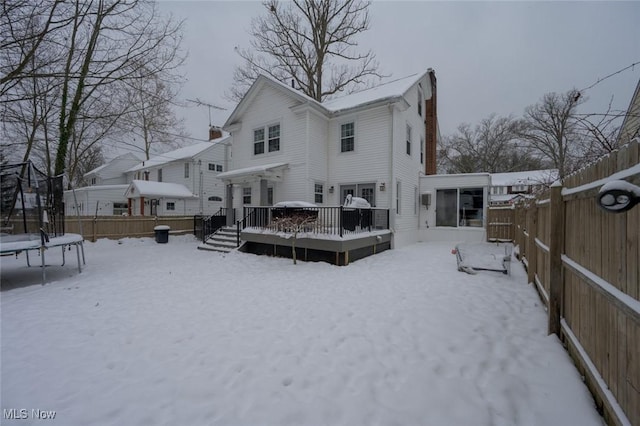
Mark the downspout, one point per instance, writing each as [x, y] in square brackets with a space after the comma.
[308, 178]
[392, 183]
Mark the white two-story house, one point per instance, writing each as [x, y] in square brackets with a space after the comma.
[374, 144]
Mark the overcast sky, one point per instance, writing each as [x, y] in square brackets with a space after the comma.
[489, 57]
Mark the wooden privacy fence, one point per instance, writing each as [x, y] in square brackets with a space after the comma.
[115, 227]
[584, 262]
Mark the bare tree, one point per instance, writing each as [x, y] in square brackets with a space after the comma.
[551, 129]
[292, 225]
[150, 117]
[25, 28]
[310, 43]
[491, 146]
[600, 133]
[108, 44]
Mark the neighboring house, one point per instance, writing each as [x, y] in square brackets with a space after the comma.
[112, 172]
[374, 144]
[105, 194]
[630, 128]
[194, 167]
[506, 188]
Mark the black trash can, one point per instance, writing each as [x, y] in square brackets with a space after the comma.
[162, 233]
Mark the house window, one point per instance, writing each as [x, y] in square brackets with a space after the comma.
[120, 209]
[421, 150]
[318, 190]
[159, 175]
[93, 181]
[171, 205]
[270, 195]
[420, 102]
[408, 140]
[186, 170]
[258, 141]
[215, 198]
[347, 137]
[246, 195]
[218, 167]
[212, 167]
[274, 138]
[398, 199]
[460, 207]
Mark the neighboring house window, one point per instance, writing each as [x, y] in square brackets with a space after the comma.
[258, 141]
[421, 150]
[246, 195]
[274, 138]
[93, 181]
[186, 170]
[159, 175]
[146, 175]
[212, 167]
[347, 137]
[215, 198]
[218, 167]
[460, 207]
[270, 195]
[319, 192]
[120, 209]
[398, 199]
[420, 102]
[171, 205]
[408, 140]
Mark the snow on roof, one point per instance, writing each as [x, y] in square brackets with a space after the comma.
[387, 90]
[128, 156]
[248, 171]
[531, 177]
[145, 188]
[178, 154]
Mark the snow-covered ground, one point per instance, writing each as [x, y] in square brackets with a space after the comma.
[164, 334]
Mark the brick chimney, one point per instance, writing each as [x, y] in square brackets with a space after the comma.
[215, 132]
[431, 125]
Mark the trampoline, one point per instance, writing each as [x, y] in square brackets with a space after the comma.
[33, 215]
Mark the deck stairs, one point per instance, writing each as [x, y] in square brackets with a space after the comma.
[223, 240]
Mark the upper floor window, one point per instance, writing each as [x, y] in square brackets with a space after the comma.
[420, 102]
[421, 150]
[347, 137]
[274, 138]
[93, 181]
[408, 140]
[186, 170]
[159, 175]
[215, 167]
[218, 167]
[258, 141]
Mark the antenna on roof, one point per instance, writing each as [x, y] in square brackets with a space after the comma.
[198, 102]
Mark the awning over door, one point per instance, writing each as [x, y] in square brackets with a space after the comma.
[272, 172]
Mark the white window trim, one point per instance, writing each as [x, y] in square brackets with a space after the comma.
[409, 140]
[318, 193]
[265, 140]
[355, 136]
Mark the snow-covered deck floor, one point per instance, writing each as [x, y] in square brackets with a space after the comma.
[164, 334]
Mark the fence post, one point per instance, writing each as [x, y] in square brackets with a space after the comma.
[532, 250]
[556, 240]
